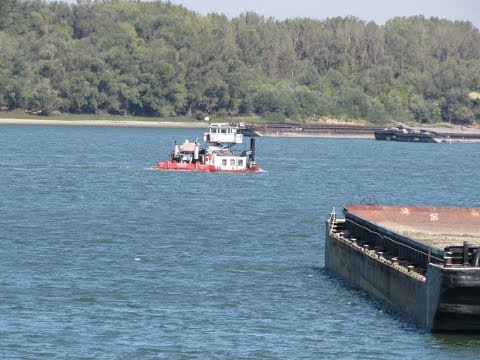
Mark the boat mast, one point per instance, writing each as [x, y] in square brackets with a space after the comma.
[252, 149]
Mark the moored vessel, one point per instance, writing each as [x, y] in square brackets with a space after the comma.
[423, 261]
[403, 133]
[219, 154]
[407, 134]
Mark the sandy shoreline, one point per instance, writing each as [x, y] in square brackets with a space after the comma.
[165, 124]
[116, 123]
[323, 136]
[328, 133]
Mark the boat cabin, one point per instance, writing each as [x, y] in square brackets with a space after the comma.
[230, 162]
[223, 134]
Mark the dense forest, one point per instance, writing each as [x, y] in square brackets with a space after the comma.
[160, 59]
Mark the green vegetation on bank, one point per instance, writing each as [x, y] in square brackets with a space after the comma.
[18, 114]
[156, 59]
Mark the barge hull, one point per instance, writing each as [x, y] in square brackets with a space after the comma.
[364, 270]
[437, 286]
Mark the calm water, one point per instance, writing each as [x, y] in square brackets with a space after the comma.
[102, 256]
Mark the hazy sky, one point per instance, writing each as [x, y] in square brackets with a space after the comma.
[376, 10]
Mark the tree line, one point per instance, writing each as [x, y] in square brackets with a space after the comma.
[160, 59]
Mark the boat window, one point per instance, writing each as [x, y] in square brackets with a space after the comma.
[232, 162]
[224, 162]
[240, 162]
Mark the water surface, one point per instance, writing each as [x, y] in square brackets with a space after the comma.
[102, 256]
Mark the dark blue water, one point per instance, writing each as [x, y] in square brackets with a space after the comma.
[102, 256]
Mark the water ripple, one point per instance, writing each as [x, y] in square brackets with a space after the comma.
[105, 257]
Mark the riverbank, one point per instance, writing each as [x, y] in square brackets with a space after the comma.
[320, 135]
[285, 132]
[116, 123]
[318, 130]
[306, 130]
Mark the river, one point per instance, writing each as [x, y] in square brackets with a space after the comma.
[102, 256]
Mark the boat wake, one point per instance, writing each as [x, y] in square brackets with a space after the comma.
[102, 168]
[150, 168]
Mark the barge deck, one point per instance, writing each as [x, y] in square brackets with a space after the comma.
[423, 261]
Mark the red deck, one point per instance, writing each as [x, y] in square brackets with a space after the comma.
[172, 165]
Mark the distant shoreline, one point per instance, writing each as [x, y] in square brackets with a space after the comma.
[114, 123]
[169, 124]
[319, 135]
[326, 131]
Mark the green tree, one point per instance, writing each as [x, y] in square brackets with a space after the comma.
[156, 58]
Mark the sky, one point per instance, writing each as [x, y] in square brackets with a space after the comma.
[376, 10]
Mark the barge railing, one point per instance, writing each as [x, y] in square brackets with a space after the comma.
[401, 248]
[417, 253]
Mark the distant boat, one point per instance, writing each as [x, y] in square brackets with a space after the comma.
[404, 133]
[218, 155]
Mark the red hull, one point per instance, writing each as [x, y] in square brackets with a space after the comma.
[172, 165]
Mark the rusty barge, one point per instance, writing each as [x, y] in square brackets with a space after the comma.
[423, 261]
[403, 133]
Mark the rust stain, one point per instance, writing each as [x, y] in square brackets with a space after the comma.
[435, 225]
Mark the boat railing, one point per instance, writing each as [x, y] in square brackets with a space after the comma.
[402, 247]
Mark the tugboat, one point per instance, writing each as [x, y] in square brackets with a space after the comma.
[218, 155]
